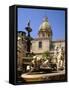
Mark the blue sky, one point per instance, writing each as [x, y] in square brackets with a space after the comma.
[56, 19]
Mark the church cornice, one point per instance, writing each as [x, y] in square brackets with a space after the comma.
[58, 41]
[51, 52]
[36, 39]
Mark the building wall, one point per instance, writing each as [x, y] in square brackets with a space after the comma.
[45, 46]
[58, 44]
[21, 48]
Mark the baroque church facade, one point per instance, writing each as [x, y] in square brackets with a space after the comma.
[44, 40]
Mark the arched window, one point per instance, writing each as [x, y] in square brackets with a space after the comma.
[40, 44]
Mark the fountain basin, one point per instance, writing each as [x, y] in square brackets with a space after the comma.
[30, 78]
[43, 77]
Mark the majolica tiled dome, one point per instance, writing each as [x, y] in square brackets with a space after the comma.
[45, 25]
[45, 30]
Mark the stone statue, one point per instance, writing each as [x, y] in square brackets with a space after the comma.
[60, 58]
[35, 64]
[28, 23]
[55, 55]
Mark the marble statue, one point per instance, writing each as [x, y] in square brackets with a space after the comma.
[60, 58]
[55, 55]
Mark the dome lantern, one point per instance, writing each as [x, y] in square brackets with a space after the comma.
[46, 19]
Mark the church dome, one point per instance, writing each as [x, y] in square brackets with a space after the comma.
[45, 30]
[45, 25]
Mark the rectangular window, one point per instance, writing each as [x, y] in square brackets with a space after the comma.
[40, 44]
